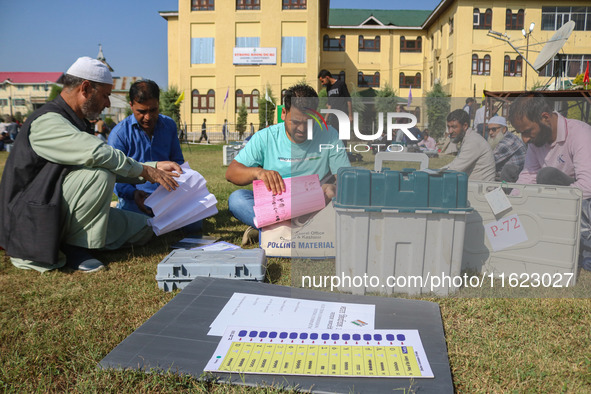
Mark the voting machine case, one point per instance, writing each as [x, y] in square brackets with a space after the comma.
[230, 152]
[400, 224]
[181, 266]
[551, 217]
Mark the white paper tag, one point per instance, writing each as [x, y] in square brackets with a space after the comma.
[505, 233]
[498, 201]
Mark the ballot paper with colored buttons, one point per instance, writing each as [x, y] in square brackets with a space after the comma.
[386, 353]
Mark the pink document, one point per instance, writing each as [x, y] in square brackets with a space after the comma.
[303, 195]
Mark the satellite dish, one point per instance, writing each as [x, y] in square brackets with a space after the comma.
[554, 45]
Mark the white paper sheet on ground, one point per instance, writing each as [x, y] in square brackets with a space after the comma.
[281, 312]
[190, 202]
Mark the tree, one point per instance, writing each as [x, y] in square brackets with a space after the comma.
[55, 91]
[267, 109]
[241, 123]
[322, 98]
[169, 106]
[359, 106]
[438, 105]
[386, 99]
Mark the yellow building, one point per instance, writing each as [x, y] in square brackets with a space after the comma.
[223, 53]
[23, 92]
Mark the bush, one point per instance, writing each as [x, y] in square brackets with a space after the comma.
[438, 105]
[267, 109]
[241, 123]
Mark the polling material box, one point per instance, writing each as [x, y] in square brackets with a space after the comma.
[181, 266]
[307, 236]
[230, 152]
[550, 217]
[400, 231]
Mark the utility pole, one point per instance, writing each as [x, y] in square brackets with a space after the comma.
[526, 35]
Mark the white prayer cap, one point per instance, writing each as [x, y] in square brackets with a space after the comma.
[91, 69]
[498, 120]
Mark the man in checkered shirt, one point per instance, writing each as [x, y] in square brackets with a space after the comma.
[509, 151]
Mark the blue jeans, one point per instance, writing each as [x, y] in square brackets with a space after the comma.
[241, 205]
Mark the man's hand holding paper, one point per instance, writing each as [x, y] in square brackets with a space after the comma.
[163, 174]
[273, 181]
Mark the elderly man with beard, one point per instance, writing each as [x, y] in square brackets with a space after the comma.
[58, 181]
[558, 153]
[508, 149]
[475, 156]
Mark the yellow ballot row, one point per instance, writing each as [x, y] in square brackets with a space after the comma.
[330, 360]
[359, 353]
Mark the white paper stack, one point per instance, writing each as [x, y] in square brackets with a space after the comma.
[190, 202]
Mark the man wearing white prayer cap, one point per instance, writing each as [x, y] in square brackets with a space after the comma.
[58, 181]
[509, 151]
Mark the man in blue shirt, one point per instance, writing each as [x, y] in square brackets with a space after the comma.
[284, 151]
[144, 136]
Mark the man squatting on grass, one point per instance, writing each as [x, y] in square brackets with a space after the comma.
[558, 154]
[58, 181]
[283, 151]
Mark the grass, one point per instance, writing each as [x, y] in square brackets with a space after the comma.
[56, 327]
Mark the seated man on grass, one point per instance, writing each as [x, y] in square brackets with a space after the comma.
[146, 135]
[283, 151]
[509, 151]
[558, 154]
[475, 156]
[58, 181]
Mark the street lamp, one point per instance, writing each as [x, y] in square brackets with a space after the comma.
[526, 35]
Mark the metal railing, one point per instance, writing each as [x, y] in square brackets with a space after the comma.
[214, 133]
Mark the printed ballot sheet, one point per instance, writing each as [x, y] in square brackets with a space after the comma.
[280, 312]
[189, 203]
[387, 353]
[303, 195]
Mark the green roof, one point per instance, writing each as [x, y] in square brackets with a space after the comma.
[352, 17]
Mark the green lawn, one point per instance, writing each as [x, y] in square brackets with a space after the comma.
[55, 327]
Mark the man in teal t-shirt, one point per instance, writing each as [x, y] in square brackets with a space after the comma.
[283, 151]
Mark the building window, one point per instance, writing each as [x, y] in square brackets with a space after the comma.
[248, 42]
[410, 81]
[410, 45]
[250, 101]
[451, 25]
[341, 76]
[293, 49]
[202, 5]
[3, 102]
[333, 44]
[368, 81]
[20, 87]
[19, 102]
[514, 21]
[554, 17]
[573, 65]
[369, 45]
[248, 4]
[512, 67]
[294, 4]
[203, 50]
[203, 103]
[480, 66]
[482, 20]
[450, 69]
